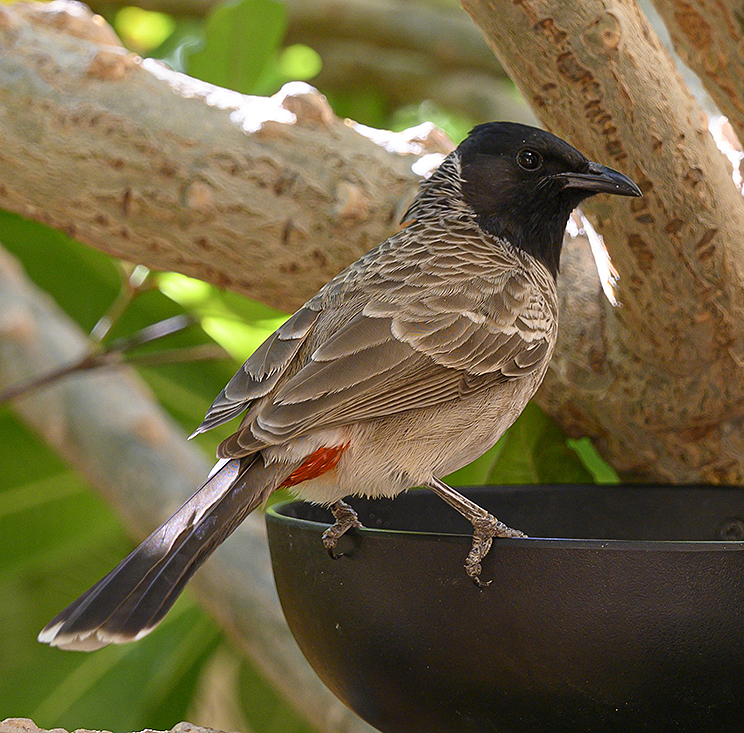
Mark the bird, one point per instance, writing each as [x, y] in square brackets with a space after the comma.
[406, 366]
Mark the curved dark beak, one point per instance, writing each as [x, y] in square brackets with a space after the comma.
[600, 179]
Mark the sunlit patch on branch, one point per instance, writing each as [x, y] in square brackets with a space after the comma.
[427, 164]
[424, 138]
[579, 225]
[248, 112]
[729, 145]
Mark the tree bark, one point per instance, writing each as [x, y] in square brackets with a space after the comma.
[24, 725]
[155, 167]
[661, 388]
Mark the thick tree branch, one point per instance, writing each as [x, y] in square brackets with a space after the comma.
[663, 386]
[155, 167]
[108, 425]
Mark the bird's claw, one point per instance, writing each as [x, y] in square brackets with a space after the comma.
[330, 545]
[485, 528]
[346, 518]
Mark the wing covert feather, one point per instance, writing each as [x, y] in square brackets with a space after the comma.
[378, 366]
[405, 327]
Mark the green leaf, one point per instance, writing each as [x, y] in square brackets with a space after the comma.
[476, 473]
[369, 105]
[602, 471]
[58, 264]
[534, 451]
[143, 30]
[238, 324]
[456, 125]
[187, 38]
[106, 690]
[263, 709]
[299, 62]
[240, 41]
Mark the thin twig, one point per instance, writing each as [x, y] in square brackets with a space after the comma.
[112, 355]
[134, 281]
[205, 352]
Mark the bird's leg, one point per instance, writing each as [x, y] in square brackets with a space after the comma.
[346, 518]
[485, 527]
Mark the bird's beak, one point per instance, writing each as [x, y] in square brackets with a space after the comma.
[600, 179]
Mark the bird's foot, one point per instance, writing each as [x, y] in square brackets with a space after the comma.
[346, 518]
[485, 528]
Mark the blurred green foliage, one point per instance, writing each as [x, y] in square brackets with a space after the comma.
[57, 537]
[143, 30]
[226, 59]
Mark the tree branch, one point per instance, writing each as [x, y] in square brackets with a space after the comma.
[111, 429]
[197, 179]
[662, 386]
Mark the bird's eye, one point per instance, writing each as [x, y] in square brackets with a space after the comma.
[529, 159]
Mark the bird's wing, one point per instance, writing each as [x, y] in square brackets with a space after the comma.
[261, 372]
[415, 346]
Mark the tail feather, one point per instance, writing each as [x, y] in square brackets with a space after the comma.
[130, 601]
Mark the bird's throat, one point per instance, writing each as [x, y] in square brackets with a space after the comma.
[542, 238]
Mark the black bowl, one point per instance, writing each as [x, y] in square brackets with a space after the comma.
[636, 623]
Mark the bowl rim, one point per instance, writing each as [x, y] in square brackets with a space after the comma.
[275, 514]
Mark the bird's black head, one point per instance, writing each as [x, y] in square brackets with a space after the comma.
[523, 184]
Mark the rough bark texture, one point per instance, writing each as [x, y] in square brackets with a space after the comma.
[110, 427]
[158, 168]
[661, 384]
[707, 35]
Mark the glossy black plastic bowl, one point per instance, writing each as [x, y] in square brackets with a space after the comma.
[636, 623]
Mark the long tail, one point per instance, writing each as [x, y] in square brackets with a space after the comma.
[133, 598]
